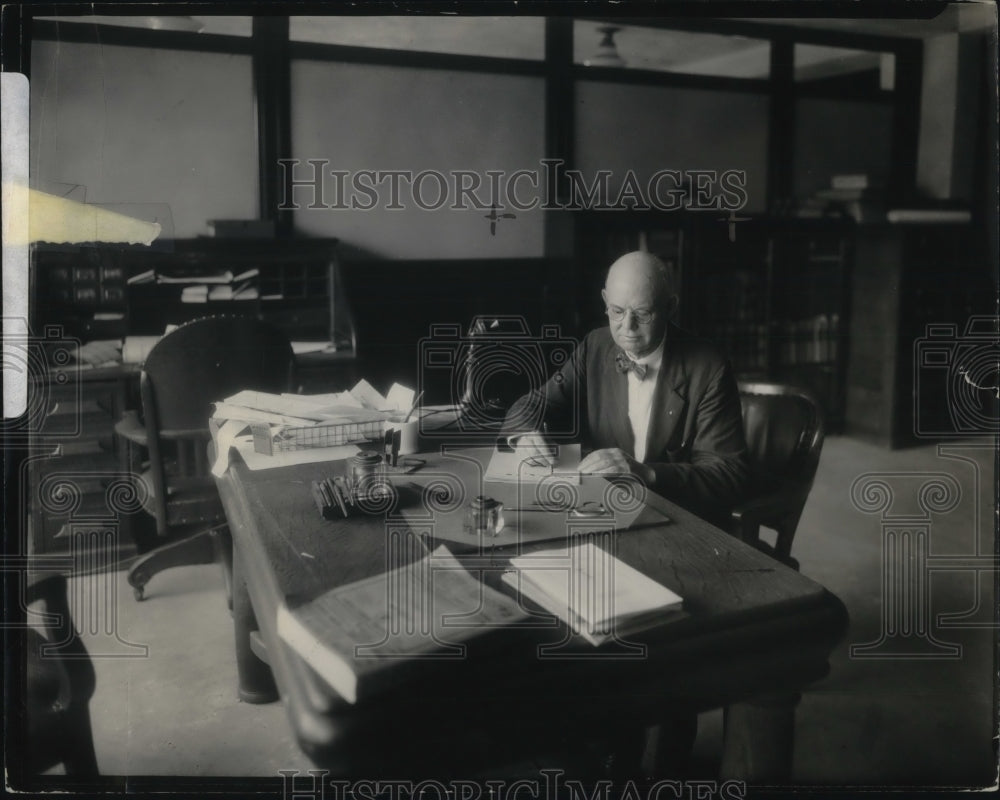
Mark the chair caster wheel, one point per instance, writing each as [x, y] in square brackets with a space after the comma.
[138, 593]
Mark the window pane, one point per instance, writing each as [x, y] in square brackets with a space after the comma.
[837, 137]
[353, 118]
[150, 127]
[612, 45]
[851, 69]
[226, 25]
[646, 129]
[504, 37]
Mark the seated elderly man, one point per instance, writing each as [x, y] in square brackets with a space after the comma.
[647, 399]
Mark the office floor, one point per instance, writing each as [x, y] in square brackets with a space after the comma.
[874, 721]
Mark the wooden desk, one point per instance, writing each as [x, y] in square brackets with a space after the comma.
[754, 628]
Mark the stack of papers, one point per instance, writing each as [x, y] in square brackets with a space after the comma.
[289, 418]
[239, 291]
[194, 294]
[596, 594]
[293, 409]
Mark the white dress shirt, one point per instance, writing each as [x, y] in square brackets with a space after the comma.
[640, 398]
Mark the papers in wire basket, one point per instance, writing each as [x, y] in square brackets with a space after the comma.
[597, 595]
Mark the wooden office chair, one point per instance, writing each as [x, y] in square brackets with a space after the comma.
[784, 430]
[60, 683]
[188, 370]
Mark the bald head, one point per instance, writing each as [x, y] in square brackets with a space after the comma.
[639, 286]
[643, 273]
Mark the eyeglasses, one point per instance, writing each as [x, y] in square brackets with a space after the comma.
[641, 315]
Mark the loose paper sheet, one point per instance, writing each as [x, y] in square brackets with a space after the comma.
[400, 398]
[369, 396]
[511, 466]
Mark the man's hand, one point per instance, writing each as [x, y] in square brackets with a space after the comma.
[535, 449]
[612, 461]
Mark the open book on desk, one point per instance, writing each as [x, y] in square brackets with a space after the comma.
[373, 635]
[599, 596]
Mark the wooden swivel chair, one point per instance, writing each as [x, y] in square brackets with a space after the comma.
[188, 370]
[784, 430]
[60, 683]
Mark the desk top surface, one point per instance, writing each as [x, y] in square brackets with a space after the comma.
[716, 574]
[752, 625]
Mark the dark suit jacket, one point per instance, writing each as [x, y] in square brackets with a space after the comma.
[696, 442]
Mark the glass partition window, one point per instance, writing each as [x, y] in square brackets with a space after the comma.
[170, 133]
[817, 63]
[402, 162]
[224, 25]
[501, 37]
[827, 146]
[666, 140]
[607, 44]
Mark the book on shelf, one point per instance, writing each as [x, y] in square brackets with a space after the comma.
[856, 181]
[598, 595]
[845, 195]
[147, 276]
[225, 291]
[194, 276]
[379, 633]
[941, 216]
[194, 294]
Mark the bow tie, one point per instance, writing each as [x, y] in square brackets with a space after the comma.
[625, 364]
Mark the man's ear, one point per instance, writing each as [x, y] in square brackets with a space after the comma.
[604, 296]
[673, 301]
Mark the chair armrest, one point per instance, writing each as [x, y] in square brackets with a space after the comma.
[185, 434]
[131, 428]
[761, 509]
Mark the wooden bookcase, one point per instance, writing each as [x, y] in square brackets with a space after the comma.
[87, 291]
[775, 294]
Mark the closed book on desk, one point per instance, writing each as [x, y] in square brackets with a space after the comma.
[376, 634]
[597, 595]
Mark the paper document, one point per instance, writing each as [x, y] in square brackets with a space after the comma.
[218, 277]
[598, 595]
[369, 396]
[347, 399]
[301, 348]
[229, 411]
[400, 398]
[224, 439]
[292, 405]
[511, 466]
[310, 455]
[136, 348]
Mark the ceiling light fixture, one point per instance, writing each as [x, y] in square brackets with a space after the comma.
[607, 53]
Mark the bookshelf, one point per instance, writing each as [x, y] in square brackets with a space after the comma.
[773, 293]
